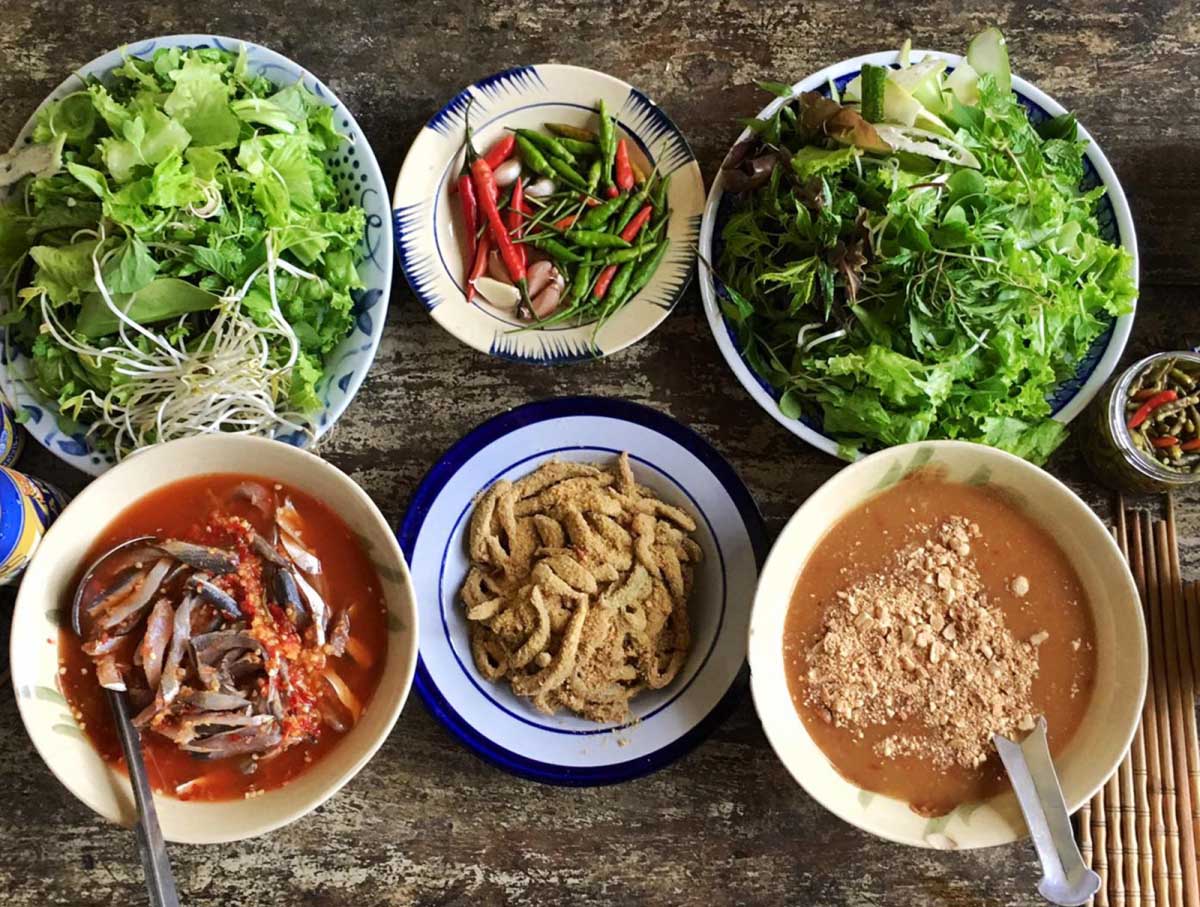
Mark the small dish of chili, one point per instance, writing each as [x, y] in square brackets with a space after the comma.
[258, 616]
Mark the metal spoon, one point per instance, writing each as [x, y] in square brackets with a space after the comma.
[1065, 878]
[160, 881]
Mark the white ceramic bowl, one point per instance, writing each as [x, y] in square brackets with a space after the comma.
[1112, 716]
[47, 585]
[427, 229]
[1116, 225]
[358, 180]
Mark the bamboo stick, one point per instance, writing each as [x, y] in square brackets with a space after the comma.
[1159, 881]
[1183, 713]
[1130, 849]
[1158, 576]
[1114, 808]
[1141, 787]
[1192, 611]
[1100, 846]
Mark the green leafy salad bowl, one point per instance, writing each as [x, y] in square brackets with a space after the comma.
[194, 237]
[920, 246]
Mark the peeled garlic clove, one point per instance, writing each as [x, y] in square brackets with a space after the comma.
[506, 174]
[501, 295]
[541, 188]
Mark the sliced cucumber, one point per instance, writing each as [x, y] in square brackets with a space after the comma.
[988, 55]
[874, 89]
[964, 83]
[924, 82]
[905, 51]
[852, 93]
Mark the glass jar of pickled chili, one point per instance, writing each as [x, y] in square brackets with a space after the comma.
[1142, 432]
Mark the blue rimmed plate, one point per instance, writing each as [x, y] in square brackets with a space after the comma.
[359, 181]
[428, 239]
[1112, 213]
[683, 469]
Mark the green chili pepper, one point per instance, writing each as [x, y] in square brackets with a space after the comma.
[583, 278]
[608, 145]
[567, 172]
[566, 130]
[556, 249]
[533, 158]
[631, 254]
[661, 190]
[578, 148]
[593, 179]
[595, 239]
[599, 215]
[547, 144]
[646, 268]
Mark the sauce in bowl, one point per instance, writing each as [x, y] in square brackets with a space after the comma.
[304, 653]
[925, 620]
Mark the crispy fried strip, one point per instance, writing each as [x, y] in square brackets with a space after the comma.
[559, 669]
[481, 522]
[538, 638]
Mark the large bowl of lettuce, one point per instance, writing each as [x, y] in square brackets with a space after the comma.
[919, 245]
[194, 237]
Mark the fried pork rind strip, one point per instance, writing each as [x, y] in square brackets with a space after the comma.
[578, 587]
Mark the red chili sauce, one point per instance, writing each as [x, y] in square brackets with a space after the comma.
[213, 510]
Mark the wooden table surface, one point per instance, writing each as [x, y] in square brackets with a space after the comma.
[427, 822]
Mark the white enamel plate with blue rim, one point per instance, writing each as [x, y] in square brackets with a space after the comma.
[428, 230]
[1112, 213]
[359, 182]
[684, 470]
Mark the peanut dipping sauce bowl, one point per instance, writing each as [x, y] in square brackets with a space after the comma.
[1111, 717]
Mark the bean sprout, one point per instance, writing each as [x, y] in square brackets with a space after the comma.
[222, 380]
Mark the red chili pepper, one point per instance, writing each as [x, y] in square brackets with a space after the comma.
[1165, 441]
[602, 282]
[488, 192]
[1145, 394]
[588, 200]
[480, 264]
[624, 170]
[496, 155]
[513, 217]
[1193, 444]
[1144, 411]
[501, 151]
[634, 227]
[612, 192]
[565, 223]
[469, 206]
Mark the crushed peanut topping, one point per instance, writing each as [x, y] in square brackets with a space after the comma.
[922, 647]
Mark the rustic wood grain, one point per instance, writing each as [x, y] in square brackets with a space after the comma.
[426, 822]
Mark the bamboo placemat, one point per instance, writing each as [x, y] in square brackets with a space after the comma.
[1141, 830]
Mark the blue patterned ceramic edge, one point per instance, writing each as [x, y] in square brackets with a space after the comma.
[359, 180]
[427, 244]
[1112, 214]
[481, 437]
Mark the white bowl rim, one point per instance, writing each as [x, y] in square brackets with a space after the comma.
[814, 503]
[410, 168]
[1122, 326]
[26, 598]
[375, 179]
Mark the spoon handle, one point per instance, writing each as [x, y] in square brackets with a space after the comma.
[1065, 878]
[160, 881]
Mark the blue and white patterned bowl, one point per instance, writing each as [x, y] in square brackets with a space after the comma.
[1115, 219]
[359, 181]
[428, 232]
[684, 470]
